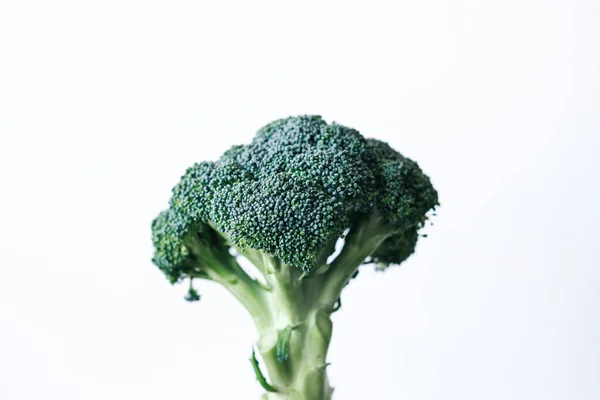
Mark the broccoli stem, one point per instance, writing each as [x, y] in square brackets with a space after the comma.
[292, 312]
[300, 372]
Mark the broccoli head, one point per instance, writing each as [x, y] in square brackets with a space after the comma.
[283, 202]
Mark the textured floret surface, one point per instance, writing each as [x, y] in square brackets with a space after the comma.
[297, 186]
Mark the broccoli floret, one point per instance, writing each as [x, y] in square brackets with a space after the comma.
[283, 201]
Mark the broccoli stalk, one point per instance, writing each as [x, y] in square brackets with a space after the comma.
[283, 202]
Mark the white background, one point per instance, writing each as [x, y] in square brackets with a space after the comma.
[104, 104]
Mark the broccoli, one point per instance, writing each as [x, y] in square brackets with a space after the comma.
[283, 202]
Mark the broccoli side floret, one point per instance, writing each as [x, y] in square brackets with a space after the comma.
[282, 202]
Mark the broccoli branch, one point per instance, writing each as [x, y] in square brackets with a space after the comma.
[252, 255]
[362, 240]
[216, 264]
[247, 290]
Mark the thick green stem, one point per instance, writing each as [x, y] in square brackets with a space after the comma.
[294, 344]
[292, 311]
[303, 374]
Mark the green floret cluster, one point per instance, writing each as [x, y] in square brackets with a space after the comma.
[283, 201]
[298, 185]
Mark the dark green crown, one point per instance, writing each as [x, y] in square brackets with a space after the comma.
[299, 185]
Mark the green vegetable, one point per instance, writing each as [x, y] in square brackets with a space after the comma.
[283, 202]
